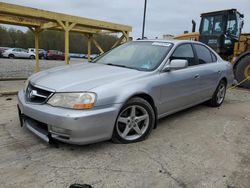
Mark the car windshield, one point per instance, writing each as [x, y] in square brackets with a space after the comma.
[143, 55]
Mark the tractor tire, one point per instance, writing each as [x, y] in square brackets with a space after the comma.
[242, 72]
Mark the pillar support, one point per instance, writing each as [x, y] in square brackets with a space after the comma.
[36, 32]
[66, 27]
[66, 43]
[89, 36]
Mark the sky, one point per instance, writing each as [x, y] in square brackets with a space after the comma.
[163, 16]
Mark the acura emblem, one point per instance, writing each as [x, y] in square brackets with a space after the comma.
[32, 94]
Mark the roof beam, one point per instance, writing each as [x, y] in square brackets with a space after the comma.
[17, 20]
[52, 16]
[48, 25]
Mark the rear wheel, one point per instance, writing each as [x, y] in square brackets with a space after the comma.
[11, 56]
[219, 94]
[32, 57]
[134, 122]
[242, 71]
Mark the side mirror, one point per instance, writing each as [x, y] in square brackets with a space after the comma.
[176, 64]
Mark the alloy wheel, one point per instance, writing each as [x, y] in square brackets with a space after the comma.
[221, 93]
[132, 122]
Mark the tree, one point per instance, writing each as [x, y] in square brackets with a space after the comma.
[53, 40]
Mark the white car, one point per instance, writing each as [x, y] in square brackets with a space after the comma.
[18, 53]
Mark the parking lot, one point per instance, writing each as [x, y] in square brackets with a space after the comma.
[198, 147]
[25, 67]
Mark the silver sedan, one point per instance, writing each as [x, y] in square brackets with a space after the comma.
[122, 93]
[18, 53]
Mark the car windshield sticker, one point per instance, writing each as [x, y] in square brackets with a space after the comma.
[161, 44]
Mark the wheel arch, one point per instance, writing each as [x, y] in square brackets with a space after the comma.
[225, 79]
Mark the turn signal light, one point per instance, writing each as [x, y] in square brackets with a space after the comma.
[83, 106]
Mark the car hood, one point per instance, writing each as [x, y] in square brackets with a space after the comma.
[82, 77]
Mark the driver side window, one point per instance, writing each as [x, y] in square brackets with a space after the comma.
[185, 52]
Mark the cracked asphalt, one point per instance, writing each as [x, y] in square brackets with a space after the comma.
[196, 148]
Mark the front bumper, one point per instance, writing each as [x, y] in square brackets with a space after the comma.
[69, 126]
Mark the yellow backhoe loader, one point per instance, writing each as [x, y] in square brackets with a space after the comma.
[221, 30]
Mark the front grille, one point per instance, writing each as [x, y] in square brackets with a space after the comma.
[36, 95]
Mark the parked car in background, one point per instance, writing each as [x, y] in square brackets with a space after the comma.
[92, 56]
[18, 53]
[2, 49]
[55, 55]
[123, 92]
[42, 52]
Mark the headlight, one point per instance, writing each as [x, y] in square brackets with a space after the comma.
[77, 101]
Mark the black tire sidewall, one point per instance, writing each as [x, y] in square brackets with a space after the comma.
[11, 56]
[140, 102]
[213, 101]
[239, 71]
[32, 57]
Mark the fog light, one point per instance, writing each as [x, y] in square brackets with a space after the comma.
[58, 130]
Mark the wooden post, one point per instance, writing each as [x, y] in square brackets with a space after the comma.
[36, 32]
[66, 43]
[37, 50]
[66, 27]
[89, 47]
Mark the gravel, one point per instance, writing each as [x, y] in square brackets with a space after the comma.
[200, 147]
[22, 68]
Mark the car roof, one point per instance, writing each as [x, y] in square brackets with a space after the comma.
[173, 41]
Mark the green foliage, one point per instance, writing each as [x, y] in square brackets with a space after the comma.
[53, 40]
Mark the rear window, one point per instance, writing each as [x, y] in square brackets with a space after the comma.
[204, 55]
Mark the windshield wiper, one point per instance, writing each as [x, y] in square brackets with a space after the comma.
[124, 66]
[117, 65]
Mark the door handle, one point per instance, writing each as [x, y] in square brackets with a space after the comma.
[219, 72]
[197, 76]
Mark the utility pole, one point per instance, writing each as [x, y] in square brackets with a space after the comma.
[144, 17]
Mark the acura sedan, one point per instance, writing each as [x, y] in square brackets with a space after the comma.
[122, 93]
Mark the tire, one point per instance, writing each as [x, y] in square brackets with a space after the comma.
[216, 101]
[32, 57]
[242, 71]
[133, 127]
[11, 56]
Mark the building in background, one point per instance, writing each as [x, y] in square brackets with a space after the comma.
[167, 36]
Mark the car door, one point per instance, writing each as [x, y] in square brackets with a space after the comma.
[209, 71]
[56, 55]
[179, 88]
[16, 52]
[24, 53]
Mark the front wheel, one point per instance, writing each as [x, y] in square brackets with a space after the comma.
[219, 94]
[134, 122]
